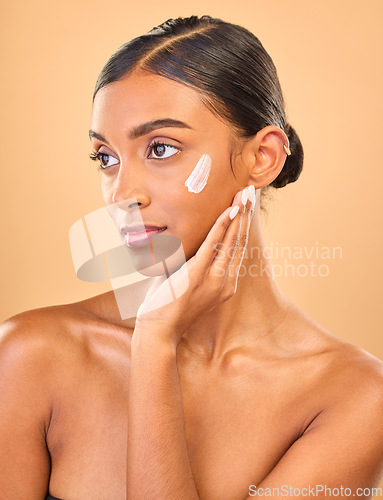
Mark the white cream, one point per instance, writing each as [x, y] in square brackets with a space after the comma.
[198, 178]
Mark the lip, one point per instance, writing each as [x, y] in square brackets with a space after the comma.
[139, 228]
[134, 238]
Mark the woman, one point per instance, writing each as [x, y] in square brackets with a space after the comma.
[229, 389]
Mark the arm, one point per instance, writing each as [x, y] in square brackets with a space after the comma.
[158, 460]
[24, 413]
[158, 465]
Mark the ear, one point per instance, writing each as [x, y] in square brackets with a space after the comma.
[265, 155]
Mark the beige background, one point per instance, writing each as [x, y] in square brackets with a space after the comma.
[328, 56]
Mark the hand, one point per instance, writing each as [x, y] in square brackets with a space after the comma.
[204, 281]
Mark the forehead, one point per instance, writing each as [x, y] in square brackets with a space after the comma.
[142, 96]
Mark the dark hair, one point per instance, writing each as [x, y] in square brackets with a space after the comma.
[226, 63]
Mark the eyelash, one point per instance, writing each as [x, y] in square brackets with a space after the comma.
[96, 156]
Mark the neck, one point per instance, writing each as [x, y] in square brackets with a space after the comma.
[252, 313]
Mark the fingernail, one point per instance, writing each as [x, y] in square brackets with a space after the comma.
[244, 196]
[233, 212]
[252, 195]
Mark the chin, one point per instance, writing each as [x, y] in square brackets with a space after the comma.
[163, 256]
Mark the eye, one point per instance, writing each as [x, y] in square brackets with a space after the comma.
[160, 149]
[104, 159]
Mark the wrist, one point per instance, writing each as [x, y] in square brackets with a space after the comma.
[156, 337]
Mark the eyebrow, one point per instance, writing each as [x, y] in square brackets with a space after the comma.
[145, 128]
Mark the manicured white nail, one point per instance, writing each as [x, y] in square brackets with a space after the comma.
[233, 212]
[244, 196]
[252, 195]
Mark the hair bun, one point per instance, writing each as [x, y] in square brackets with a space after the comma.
[294, 163]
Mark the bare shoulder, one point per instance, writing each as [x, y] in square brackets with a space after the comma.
[59, 342]
[62, 323]
[336, 368]
[351, 366]
[38, 343]
[359, 378]
[343, 396]
[39, 331]
[348, 374]
[26, 334]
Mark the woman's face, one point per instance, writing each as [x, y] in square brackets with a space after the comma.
[151, 178]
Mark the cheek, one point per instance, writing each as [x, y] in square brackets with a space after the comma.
[105, 195]
[106, 188]
[197, 180]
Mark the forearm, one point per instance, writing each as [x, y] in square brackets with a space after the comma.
[158, 461]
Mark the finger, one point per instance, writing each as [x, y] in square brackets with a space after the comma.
[235, 264]
[229, 245]
[209, 248]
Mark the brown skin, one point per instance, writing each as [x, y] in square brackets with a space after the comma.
[252, 392]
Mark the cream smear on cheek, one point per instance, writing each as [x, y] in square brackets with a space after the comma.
[198, 178]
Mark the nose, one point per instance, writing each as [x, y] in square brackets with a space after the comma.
[128, 189]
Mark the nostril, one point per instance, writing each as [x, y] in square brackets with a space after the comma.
[134, 204]
[126, 202]
[123, 201]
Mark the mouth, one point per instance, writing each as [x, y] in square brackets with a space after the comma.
[137, 237]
